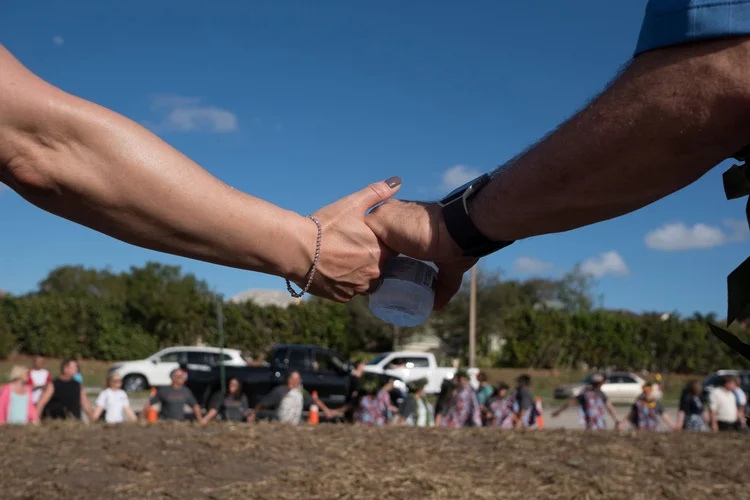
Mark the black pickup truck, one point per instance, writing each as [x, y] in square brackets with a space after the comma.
[322, 370]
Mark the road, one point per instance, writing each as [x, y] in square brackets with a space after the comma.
[569, 419]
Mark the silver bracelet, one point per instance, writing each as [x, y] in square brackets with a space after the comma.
[297, 295]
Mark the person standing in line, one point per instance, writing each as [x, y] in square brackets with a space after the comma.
[289, 401]
[484, 391]
[416, 410]
[646, 412]
[448, 391]
[232, 406]
[464, 410]
[692, 415]
[723, 404]
[354, 390]
[16, 400]
[593, 404]
[384, 400]
[174, 398]
[39, 378]
[113, 402]
[369, 410]
[524, 407]
[741, 397]
[64, 397]
[500, 408]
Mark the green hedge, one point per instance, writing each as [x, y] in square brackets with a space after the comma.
[96, 314]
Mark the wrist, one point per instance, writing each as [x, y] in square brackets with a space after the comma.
[447, 246]
[295, 261]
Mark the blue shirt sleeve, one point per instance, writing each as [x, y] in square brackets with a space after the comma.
[674, 22]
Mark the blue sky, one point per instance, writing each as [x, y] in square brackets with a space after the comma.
[304, 102]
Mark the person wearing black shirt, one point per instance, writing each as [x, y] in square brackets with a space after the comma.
[354, 390]
[232, 406]
[64, 397]
[691, 416]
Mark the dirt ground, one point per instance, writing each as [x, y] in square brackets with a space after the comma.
[270, 461]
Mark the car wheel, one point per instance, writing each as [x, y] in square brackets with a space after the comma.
[135, 383]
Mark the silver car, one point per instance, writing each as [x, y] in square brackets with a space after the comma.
[620, 387]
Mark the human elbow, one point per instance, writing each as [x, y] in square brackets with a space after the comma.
[30, 167]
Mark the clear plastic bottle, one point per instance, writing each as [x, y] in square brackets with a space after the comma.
[407, 294]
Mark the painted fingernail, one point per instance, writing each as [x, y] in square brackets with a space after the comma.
[393, 182]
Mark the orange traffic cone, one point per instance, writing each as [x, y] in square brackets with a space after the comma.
[313, 417]
[539, 414]
[151, 415]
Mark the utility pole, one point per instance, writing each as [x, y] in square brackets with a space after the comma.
[473, 318]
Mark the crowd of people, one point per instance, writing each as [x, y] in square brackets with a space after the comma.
[32, 395]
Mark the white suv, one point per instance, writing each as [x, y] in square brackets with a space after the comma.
[154, 371]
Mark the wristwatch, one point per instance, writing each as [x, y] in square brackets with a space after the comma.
[459, 224]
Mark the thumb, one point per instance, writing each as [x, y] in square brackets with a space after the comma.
[375, 193]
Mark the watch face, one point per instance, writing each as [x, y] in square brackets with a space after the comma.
[459, 191]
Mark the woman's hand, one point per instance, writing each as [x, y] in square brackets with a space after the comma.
[351, 256]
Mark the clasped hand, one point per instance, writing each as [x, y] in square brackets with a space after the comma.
[356, 245]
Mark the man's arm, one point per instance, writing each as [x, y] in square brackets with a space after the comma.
[564, 407]
[156, 398]
[193, 403]
[671, 116]
[198, 413]
[612, 413]
[95, 167]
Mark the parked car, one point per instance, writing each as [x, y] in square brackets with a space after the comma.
[620, 387]
[414, 365]
[154, 371]
[322, 370]
[713, 380]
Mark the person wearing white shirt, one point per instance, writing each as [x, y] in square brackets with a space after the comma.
[113, 402]
[39, 377]
[723, 402]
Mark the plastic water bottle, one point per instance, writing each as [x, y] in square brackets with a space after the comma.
[407, 294]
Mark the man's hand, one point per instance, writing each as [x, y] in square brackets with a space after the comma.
[351, 256]
[417, 230]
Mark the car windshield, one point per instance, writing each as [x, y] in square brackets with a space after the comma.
[587, 380]
[377, 359]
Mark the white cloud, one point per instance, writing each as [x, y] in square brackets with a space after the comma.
[187, 114]
[456, 176]
[678, 236]
[607, 263]
[530, 265]
[58, 40]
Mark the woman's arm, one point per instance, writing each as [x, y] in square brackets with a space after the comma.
[209, 416]
[680, 420]
[95, 167]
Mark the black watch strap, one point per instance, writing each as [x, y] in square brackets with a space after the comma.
[463, 231]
